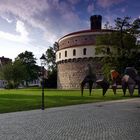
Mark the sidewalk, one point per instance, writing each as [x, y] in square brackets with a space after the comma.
[114, 120]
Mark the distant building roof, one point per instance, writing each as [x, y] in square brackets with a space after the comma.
[4, 60]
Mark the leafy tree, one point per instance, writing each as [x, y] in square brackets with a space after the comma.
[52, 69]
[6, 72]
[19, 72]
[29, 61]
[14, 73]
[122, 45]
[50, 55]
[122, 25]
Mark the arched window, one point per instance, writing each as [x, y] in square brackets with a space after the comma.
[59, 55]
[65, 53]
[84, 51]
[74, 52]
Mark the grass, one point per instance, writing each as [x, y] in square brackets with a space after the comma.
[28, 99]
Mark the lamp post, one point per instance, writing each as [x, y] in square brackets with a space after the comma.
[43, 63]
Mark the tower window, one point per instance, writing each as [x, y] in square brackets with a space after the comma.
[65, 53]
[84, 51]
[74, 52]
[59, 55]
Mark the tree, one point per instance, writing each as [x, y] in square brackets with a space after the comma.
[52, 68]
[19, 72]
[6, 72]
[50, 55]
[29, 61]
[122, 25]
[14, 73]
[122, 45]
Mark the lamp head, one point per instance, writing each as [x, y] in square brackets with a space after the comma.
[43, 60]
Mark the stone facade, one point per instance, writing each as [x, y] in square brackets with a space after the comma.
[75, 51]
[72, 72]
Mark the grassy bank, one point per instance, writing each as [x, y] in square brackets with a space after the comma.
[28, 99]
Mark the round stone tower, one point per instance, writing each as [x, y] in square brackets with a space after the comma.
[76, 51]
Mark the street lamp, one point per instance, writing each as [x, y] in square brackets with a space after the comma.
[43, 63]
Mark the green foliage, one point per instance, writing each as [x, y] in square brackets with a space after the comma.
[19, 72]
[27, 58]
[6, 72]
[135, 29]
[29, 61]
[51, 82]
[14, 73]
[107, 67]
[122, 43]
[129, 41]
[50, 55]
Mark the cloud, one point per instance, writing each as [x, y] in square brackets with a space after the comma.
[123, 10]
[22, 30]
[50, 37]
[74, 1]
[7, 19]
[109, 19]
[90, 8]
[22, 37]
[51, 16]
[23, 10]
[108, 3]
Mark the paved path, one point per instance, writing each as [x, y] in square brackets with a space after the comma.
[117, 120]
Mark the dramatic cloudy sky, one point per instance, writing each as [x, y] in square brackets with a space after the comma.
[34, 25]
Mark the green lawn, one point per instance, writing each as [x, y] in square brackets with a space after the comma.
[28, 99]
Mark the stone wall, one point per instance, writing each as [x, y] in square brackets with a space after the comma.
[71, 73]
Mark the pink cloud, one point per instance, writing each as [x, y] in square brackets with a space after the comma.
[123, 10]
[90, 8]
[74, 1]
[51, 16]
[108, 3]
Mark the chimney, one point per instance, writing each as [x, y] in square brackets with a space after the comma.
[96, 22]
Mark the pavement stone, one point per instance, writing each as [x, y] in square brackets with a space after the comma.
[113, 120]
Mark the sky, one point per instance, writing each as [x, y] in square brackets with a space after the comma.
[34, 25]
